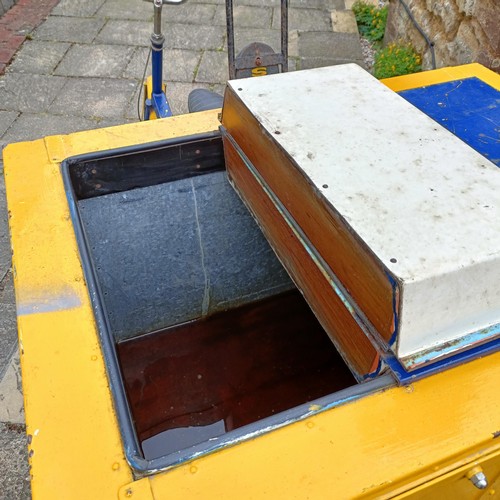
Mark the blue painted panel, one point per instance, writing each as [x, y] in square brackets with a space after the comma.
[468, 108]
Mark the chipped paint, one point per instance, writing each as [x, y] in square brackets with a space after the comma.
[46, 301]
[448, 349]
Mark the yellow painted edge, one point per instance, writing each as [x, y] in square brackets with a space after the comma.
[75, 444]
[460, 471]
[335, 450]
[425, 78]
[377, 447]
[140, 489]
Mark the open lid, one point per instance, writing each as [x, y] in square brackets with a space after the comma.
[425, 204]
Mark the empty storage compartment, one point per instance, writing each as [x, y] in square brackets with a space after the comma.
[206, 339]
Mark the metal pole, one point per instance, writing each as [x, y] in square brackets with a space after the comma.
[284, 34]
[157, 40]
[230, 40]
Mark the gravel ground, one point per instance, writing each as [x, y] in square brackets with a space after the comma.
[367, 47]
[368, 53]
[14, 475]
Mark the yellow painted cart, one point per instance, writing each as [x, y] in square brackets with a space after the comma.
[437, 437]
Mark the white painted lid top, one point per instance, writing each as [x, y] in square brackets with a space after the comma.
[425, 203]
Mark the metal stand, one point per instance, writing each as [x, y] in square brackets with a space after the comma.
[155, 96]
[257, 59]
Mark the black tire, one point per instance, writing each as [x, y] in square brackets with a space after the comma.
[202, 100]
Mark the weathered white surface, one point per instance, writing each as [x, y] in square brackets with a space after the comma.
[409, 188]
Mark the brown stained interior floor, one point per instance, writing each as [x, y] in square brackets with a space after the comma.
[201, 379]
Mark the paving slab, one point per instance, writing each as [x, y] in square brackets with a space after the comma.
[94, 98]
[190, 13]
[320, 62]
[5, 5]
[262, 3]
[15, 25]
[8, 325]
[107, 61]
[179, 65]
[29, 127]
[246, 15]
[126, 9]
[11, 393]
[77, 8]
[212, 2]
[194, 37]
[29, 93]
[213, 67]
[307, 4]
[136, 33]
[344, 21]
[245, 36]
[69, 29]
[5, 252]
[334, 4]
[15, 477]
[303, 19]
[6, 120]
[39, 57]
[329, 45]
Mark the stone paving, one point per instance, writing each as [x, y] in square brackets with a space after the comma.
[82, 69]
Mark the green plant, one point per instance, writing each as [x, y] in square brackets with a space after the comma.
[371, 20]
[396, 59]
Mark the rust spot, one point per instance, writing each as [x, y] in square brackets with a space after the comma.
[496, 434]
[31, 453]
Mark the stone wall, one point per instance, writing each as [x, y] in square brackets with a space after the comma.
[463, 31]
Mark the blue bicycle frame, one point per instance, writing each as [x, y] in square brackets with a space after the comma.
[156, 99]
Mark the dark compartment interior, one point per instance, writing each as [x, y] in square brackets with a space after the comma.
[202, 329]
[199, 380]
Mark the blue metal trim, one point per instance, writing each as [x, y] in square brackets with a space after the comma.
[395, 291]
[441, 351]
[405, 377]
